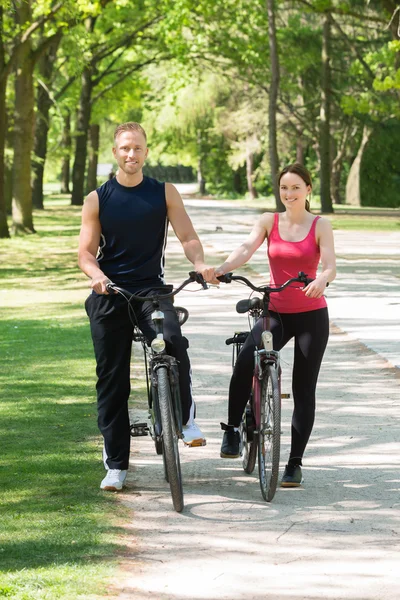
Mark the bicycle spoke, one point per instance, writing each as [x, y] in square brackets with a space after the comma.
[269, 434]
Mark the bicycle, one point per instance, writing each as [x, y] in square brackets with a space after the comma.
[162, 382]
[260, 428]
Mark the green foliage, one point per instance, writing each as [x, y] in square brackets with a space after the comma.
[380, 167]
[171, 173]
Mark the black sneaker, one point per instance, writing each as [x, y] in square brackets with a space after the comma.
[292, 477]
[230, 447]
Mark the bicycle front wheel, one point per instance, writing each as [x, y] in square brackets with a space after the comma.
[269, 435]
[170, 439]
[248, 439]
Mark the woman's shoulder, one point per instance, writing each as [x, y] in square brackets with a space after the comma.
[267, 218]
[323, 229]
[323, 224]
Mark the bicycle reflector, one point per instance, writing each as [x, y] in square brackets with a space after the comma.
[158, 345]
[266, 337]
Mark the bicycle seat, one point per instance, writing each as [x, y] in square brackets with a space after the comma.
[243, 306]
[239, 338]
[183, 314]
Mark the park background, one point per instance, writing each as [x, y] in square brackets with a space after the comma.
[228, 92]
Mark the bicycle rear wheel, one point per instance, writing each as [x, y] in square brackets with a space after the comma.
[170, 439]
[269, 436]
[248, 439]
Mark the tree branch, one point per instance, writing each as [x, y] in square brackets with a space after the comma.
[28, 32]
[124, 76]
[353, 47]
[338, 11]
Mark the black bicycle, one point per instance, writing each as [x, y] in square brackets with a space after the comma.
[162, 378]
[260, 429]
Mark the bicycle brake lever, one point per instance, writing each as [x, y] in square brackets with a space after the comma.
[227, 278]
[110, 289]
[198, 278]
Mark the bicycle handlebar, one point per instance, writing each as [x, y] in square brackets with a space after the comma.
[193, 277]
[266, 289]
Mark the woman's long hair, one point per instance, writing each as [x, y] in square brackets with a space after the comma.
[301, 171]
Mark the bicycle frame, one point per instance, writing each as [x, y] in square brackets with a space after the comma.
[263, 356]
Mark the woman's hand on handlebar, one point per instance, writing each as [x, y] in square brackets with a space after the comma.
[316, 288]
[99, 284]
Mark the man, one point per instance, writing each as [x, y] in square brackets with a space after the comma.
[123, 239]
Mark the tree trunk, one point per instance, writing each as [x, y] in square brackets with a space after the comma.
[273, 100]
[237, 182]
[93, 157]
[249, 171]
[46, 64]
[300, 149]
[24, 119]
[353, 196]
[4, 232]
[337, 165]
[78, 171]
[324, 137]
[200, 179]
[66, 144]
[8, 176]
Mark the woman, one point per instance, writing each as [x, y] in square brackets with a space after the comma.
[297, 241]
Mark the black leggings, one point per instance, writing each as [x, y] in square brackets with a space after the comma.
[112, 331]
[310, 331]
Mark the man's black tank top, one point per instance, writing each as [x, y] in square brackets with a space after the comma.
[134, 226]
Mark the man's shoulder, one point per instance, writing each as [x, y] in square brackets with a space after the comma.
[105, 186]
[151, 181]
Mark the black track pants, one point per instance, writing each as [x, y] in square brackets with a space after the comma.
[310, 331]
[112, 331]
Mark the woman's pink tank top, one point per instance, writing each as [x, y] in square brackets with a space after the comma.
[286, 259]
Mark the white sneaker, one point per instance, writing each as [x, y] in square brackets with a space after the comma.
[192, 435]
[114, 480]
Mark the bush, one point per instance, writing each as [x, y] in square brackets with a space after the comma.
[172, 173]
[380, 167]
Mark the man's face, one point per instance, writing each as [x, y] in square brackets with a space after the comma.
[130, 151]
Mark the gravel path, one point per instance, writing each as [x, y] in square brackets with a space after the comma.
[338, 536]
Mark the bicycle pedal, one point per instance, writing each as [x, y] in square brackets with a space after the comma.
[285, 395]
[139, 430]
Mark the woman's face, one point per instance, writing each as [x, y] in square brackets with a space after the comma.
[293, 190]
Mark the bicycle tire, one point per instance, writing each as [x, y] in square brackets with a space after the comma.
[249, 447]
[170, 439]
[269, 435]
[155, 420]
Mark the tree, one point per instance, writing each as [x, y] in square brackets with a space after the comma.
[273, 97]
[44, 102]
[325, 118]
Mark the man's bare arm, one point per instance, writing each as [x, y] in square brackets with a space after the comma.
[184, 231]
[89, 240]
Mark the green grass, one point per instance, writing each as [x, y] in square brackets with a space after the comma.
[60, 536]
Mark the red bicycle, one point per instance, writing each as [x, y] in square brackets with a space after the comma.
[260, 429]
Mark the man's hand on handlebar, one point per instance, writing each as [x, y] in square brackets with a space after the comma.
[99, 284]
[208, 273]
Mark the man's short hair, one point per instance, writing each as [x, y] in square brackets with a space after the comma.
[130, 126]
